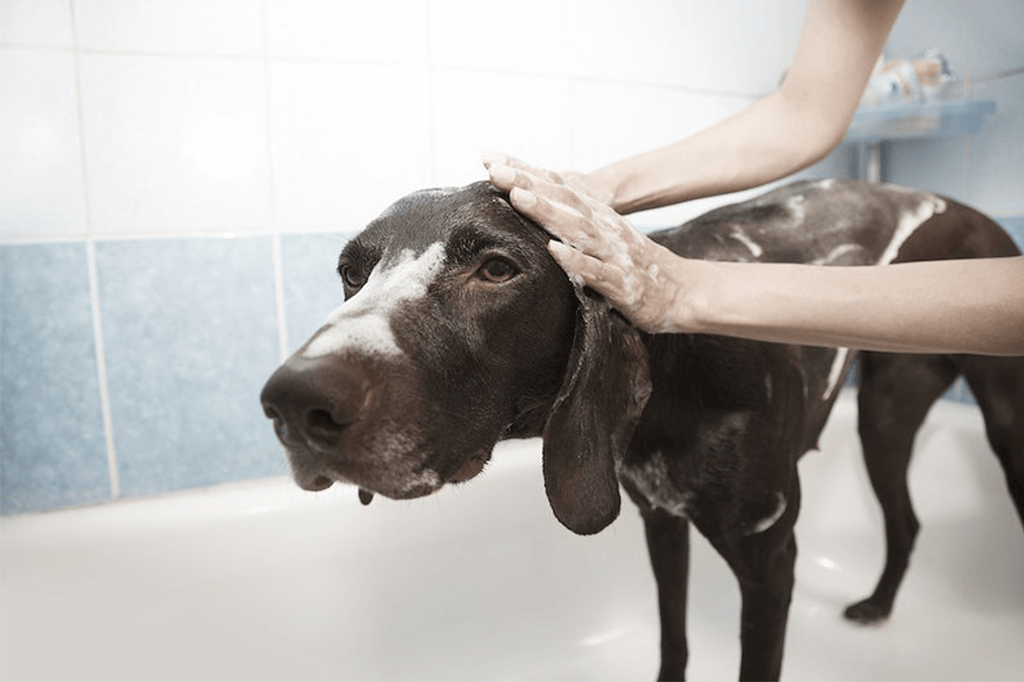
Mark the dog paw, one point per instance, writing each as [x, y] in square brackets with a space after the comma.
[867, 612]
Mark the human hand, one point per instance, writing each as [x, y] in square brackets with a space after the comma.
[580, 182]
[599, 248]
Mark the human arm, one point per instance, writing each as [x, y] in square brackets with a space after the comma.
[953, 306]
[972, 306]
[957, 306]
[779, 134]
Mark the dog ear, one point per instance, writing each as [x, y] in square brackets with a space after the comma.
[606, 386]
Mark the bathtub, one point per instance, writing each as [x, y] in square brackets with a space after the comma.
[262, 581]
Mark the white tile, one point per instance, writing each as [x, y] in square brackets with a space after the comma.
[347, 141]
[40, 152]
[737, 45]
[473, 112]
[39, 23]
[709, 109]
[175, 144]
[527, 36]
[639, 41]
[791, 15]
[392, 31]
[207, 27]
[611, 121]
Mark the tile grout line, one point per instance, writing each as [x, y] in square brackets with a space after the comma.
[167, 235]
[582, 78]
[432, 170]
[275, 229]
[94, 287]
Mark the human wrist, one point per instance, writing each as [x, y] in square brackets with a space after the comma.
[645, 181]
[691, 293]
[605, 184]
[701, 298]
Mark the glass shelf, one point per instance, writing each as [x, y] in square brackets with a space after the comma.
[929, 119]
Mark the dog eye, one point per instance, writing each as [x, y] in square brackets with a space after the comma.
[497, 270]
[352, 277]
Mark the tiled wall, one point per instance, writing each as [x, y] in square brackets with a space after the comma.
[177, 177]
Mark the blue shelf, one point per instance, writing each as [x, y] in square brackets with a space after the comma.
[909, 121]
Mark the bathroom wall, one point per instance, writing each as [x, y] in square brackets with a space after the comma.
[177, 177]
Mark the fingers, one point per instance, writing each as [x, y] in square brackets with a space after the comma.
[559, 219]
[502, 169]
[584, 270]
[548, 185]
[498, 159]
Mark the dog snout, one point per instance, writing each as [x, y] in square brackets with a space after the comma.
[312, 402]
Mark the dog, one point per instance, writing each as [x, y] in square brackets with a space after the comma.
[459, 330]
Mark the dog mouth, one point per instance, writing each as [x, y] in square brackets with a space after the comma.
[401, 487]
[470, 468]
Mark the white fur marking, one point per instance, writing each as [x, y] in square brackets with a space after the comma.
[769, 521]
[827, 183]
[797, 208]
[425, 479]
[364, 321]
[908, 223]
[837, 253]
[835, 372]
[653, 482]
[742, 238]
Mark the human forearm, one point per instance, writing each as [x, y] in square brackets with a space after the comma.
[954, 306]
[733, 155]
[777, 135]
[971, 306]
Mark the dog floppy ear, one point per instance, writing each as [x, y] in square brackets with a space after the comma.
[606, 386]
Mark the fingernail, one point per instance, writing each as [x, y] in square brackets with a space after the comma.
[523, 198]
[559, 251]
[502, 173]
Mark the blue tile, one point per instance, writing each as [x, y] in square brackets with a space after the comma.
[312, 288]
[53, 449]
[995, 37]
[840, 163]
[960, 392]
[934, 165]
[190, 330]
[996, 172]
[853, 376]
[1014, 225]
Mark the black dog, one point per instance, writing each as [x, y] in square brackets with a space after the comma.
[459, 330]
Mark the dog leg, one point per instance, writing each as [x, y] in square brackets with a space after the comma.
[763, 563]
[668, 543]
[765, 610]
[764, 615]
[998, 386]
[896, 392]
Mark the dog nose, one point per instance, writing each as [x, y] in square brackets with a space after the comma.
[312, 402]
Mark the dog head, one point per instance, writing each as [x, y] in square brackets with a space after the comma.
[458, 330]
